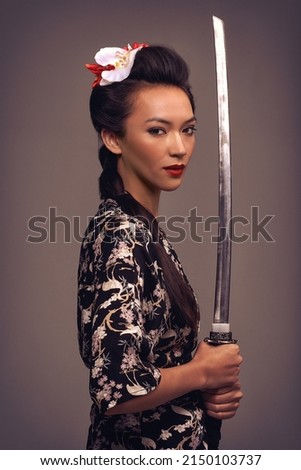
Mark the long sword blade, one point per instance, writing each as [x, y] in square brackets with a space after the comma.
[221, 327]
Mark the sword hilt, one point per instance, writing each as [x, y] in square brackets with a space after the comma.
[216, 338]
[220, 334]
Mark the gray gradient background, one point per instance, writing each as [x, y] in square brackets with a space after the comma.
[49, 159]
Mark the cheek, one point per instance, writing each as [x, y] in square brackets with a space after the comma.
[190, 148]
[151, 153]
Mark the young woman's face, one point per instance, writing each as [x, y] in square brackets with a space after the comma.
[158, 142]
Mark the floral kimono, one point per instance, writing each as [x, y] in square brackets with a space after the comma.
[128, 332]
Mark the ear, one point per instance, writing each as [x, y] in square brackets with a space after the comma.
[111, 141]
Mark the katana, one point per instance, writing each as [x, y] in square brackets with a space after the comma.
[221, 333]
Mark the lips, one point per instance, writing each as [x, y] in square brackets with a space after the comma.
[175, 170]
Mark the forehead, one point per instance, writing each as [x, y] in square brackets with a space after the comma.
[161, 101]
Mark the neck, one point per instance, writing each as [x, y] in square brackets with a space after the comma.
[148, 197]
[148, 201]
[151, 204]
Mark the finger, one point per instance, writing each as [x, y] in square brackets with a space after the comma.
[222, 407]
[222, 416]
[232, 396]
[222, 390]
[222, 400]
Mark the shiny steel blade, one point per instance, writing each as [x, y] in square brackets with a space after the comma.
[223, 269]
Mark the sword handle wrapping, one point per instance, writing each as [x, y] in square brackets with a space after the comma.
[220, 337]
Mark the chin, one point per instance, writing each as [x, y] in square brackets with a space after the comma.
[172, 187]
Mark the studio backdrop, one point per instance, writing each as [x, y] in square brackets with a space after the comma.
[49, 173]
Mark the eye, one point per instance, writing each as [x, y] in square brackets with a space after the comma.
[189, 130]
[156, 131]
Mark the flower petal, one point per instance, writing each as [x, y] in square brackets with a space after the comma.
[98, 70]
[107, 55]
[117, 76]
[122, 70]
[114, 64]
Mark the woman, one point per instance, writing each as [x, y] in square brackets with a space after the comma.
[152, 385]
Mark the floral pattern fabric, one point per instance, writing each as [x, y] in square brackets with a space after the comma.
[128, 332]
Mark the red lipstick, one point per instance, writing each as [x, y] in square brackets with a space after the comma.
[175, 170]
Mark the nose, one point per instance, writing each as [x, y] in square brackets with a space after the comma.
[176, 146]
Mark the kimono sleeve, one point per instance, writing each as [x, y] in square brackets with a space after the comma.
[120, 368]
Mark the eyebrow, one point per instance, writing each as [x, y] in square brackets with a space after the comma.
[165, 121]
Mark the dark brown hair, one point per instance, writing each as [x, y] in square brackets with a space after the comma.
[109, 107]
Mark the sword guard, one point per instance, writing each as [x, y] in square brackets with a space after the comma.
[216, 338]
